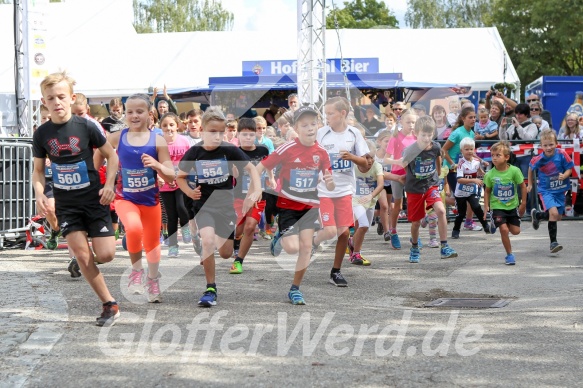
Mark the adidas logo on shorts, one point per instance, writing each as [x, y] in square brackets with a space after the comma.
[104, 230]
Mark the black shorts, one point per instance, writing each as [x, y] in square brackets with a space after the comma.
[223, 221]
[291, 222]
[389, 189]
[93, 218]
[509, 217]
[189, 203]
[49, 193]
[114, 217]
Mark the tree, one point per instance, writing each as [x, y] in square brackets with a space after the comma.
[543, 37]
[362, 14]
[181, 16]
[447, 13]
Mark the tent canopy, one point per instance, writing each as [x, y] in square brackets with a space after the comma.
[102, 51]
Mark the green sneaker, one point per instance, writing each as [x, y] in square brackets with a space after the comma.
[116, 234]
[53, 241]
[236, 268]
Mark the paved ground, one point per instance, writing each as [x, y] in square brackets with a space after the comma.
[373, 333]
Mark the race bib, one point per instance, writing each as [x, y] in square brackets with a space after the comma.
[70, 176]
[137, 180]
[48, 172]
[504, 192]
[247, 181]
[469, 189]
[440, 184]
[339, 164]
[365, 186]
[303, 181]
[554, 184]
[212, 171]
[424, 168]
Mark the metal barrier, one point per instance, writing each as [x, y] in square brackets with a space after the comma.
[16, 166]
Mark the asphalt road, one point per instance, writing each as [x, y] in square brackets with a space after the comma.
[375, 332]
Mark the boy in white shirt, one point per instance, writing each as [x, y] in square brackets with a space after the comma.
[346, 147]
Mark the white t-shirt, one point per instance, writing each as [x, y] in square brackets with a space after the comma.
[350, 140]
[469, 170]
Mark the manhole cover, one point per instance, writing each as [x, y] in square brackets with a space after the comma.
[468, 303]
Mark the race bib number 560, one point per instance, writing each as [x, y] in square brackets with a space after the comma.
[70, 176]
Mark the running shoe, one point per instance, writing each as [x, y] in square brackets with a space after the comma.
[73, 268]
[556, 247]
[53, 241]
[491, 223]
[296, 297]
[116, 234]
[387, 236]
[153, 290]
[197, 244]
[357, 259]
[447, 252]
[186, 236]
[209, 298]
[275, 245]
[534, 219]
[136, 283]
[433, 243]
[402, 215]
[338, 280]
[472, 226]
[264, 235]
[414, 255]
[236, 268]
[350, 246]
[419, 243]
[166, 242]
[510, 260]
[380, 229]
[109, 315]
[395, 241]
[455, 234]
[424, 222]
[173, 251]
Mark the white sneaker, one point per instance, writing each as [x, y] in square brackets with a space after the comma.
[152, 288]
[136, 284]
[472, 226]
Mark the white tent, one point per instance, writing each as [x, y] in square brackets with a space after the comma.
[108, 58]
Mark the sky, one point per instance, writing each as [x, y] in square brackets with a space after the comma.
[266, 15]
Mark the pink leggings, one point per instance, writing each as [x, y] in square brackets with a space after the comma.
[142, 226]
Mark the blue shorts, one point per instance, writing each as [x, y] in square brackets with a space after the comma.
[553, 199]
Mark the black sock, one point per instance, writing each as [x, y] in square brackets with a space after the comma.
[294, 287]
[236, 244]
[240, 260]
[543, 216]
[110, 303]
[335, 270]
[211, 285]
[553, 231]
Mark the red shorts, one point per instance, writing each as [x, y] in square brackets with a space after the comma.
[336, 211]
[254, 212]
[418, 204]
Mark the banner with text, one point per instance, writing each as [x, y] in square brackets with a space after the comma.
[35, 47]
[333, 65]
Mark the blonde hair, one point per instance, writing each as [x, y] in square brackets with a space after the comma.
[260, 120]
[56, 78]
[339, 103]
[81, 99]
[405, 113]
[502, 146]
[212, 113]
[382, 135]
[270, 131]
[548, 134]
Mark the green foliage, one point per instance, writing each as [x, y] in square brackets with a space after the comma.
[543, 37]
[181, 16]
[362, 14]
[447, 13]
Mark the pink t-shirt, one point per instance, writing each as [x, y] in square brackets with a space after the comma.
[396, 147]
[177, 149]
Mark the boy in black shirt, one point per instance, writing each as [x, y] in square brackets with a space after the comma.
[81, 204]
[212, 161]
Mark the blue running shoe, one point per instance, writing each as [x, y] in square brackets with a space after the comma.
[510, 259]
[395, 241]
[419, 243]
[186, 236]
[275, 245]
[414, 255]
[447, 252]
[296, 297]
[209, 298]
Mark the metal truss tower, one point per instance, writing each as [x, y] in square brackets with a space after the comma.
[19, 80]
[312, 53]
